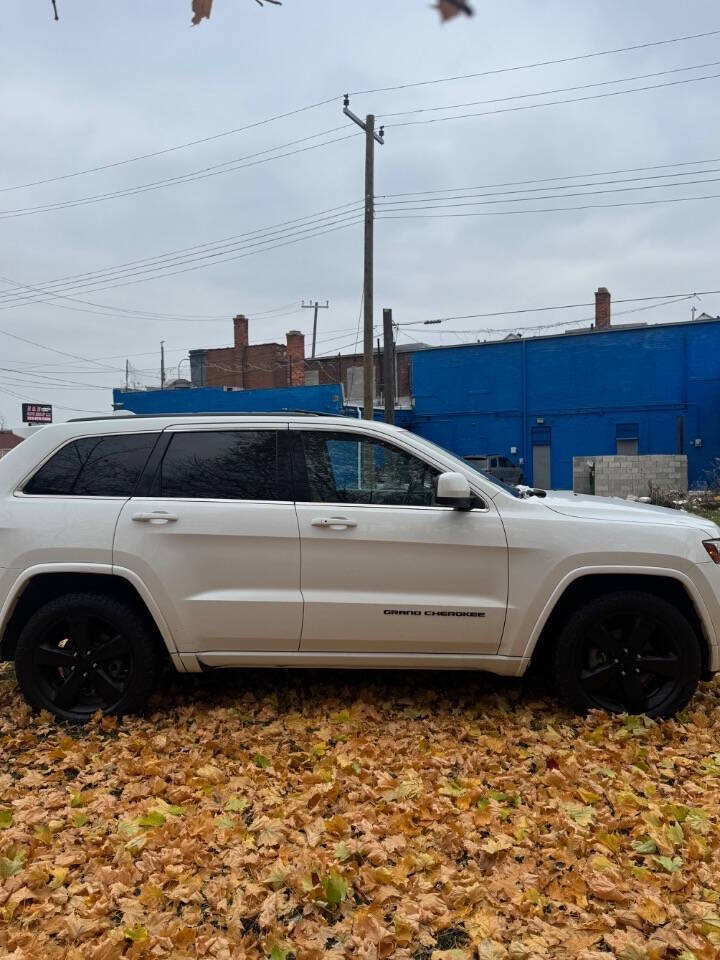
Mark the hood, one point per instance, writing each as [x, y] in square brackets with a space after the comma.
[624, 511]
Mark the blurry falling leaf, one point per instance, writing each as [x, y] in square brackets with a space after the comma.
[153, 818]
[236, 804]
[334, 887]
[452, 8]
[201, 10]
[6, 819]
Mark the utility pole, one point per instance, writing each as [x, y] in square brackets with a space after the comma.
[388, 366]
[315, 306]
[162, 364]
[127, 374]
[368, 125]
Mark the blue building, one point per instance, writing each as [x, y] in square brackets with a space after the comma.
[543, 400]
[619, 390]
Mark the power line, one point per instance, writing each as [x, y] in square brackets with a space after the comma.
[321, 103]
[574, 176]
[445, 205]
[687, 295]
[214, 245]
[179, 146]
[514, 213]
[545, 93]
[192, 177]
[540, 63]
[554, 103]
[339, 224]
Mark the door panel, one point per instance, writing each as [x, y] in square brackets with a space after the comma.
[215, 539]
[393, 577]
[226, 574]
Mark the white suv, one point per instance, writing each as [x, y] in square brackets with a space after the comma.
[309, 541]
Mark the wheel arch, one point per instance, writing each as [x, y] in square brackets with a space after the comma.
[573, 593]
[37, 586]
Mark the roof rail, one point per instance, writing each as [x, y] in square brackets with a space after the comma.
[209, 413]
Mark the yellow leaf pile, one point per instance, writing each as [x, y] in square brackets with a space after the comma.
[311, 816]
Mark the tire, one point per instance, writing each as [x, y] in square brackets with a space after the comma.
[85, 652]
[628, 653]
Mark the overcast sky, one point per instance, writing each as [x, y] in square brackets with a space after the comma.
[111, 81]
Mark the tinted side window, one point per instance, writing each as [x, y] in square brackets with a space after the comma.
[349, 468]
[94, 467]
[222, 465]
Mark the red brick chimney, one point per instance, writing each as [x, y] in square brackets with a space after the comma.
[602, 308]
[296, 358]
[240, 330]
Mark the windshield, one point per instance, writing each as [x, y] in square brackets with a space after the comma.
[508, 488]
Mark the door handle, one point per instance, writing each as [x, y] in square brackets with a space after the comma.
[158, 516]
[333, 523]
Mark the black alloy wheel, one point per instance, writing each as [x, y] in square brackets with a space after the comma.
[628, 653]
[82, 653]
[83, 663]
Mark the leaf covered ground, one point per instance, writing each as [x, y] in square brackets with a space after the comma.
[283, 814]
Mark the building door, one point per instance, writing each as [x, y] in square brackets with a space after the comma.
[385, 569]
[541, 457]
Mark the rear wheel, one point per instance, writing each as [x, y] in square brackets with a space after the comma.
[628, 653]
[82, 653]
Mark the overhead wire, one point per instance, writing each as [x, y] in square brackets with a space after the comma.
[199, 251]
[554, 103]
[540, 63]
[191, 177]
[549, 92]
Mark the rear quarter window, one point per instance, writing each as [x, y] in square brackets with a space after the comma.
[106, 466]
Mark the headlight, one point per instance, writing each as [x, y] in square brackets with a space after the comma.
[713, 549]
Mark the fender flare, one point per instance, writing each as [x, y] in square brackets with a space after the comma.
[104, 569]
[695, 597]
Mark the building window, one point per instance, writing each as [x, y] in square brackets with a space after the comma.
[626, 439]
[312, 378]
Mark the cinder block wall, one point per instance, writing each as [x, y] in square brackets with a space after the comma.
[620, 476]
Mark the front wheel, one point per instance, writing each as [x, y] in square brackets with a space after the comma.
[81, 653]
[628, 653]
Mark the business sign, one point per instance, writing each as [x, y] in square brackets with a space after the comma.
[37, 413]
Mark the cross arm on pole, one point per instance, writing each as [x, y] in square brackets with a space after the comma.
[379, 136]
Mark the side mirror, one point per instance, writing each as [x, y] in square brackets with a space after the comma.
[453, 490]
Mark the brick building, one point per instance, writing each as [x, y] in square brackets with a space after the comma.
[8, 440]
[259, 366]
[250, 367]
